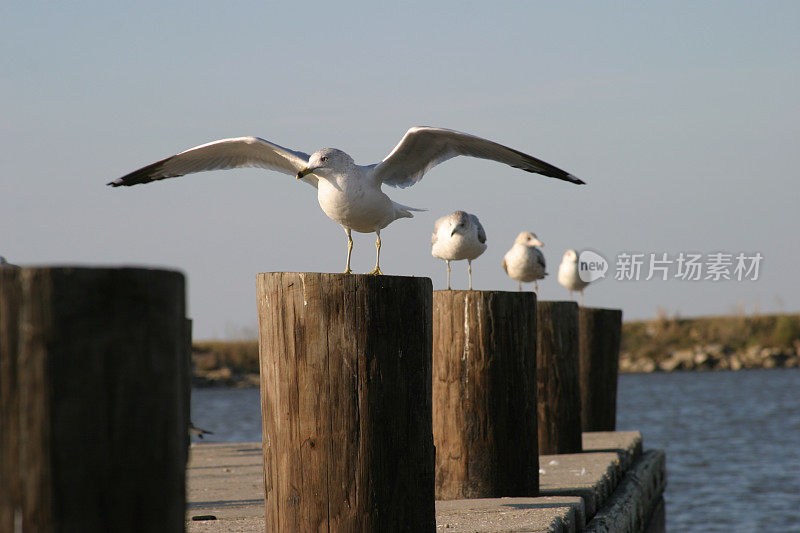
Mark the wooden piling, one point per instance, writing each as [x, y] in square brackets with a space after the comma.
[93, 429]
[558, 398]
[346, 402]
[187, 376]
[9, 398]
[600, 332]
[484, 394]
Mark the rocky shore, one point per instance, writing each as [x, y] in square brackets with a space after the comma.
[712, 357]
[710, 343]
[224, 377]
[225, 364]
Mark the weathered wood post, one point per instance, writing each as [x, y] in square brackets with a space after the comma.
[346, 402]
[484, 394]
[9, 398]
[97, 395]
[600, 331]
[559, 400]
[187, 375]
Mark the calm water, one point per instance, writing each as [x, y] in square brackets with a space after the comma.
[732, 441]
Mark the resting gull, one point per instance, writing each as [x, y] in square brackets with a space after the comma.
[458, 236]
[348, 193]
[524, 261]
[568, 274]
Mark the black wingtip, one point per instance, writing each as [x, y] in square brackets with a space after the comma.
[143, 175]
[565, 176]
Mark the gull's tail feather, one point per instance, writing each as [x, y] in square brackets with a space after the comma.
[198, 432]
[404, 211]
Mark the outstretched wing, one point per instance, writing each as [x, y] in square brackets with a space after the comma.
[422, 148]
[223, 154]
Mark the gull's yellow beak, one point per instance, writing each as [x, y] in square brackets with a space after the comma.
[303, 172]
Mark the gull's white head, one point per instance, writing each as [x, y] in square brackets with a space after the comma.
[325, 160]
[570, 256]
[459, 222]
[526, 238]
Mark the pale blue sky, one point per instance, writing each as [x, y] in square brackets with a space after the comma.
[681, 116]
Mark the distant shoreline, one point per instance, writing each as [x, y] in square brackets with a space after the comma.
[712, 357]
[250, 380]
[710, 343]
[659, 345]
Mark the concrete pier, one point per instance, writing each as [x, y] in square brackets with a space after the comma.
[613, 485]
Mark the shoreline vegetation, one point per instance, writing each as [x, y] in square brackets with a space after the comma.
[711, 343]
[659, 345]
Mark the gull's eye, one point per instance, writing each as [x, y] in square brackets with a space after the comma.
[324, 158]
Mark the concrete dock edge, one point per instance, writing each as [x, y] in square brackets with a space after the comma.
[613, 486]
[635, 499]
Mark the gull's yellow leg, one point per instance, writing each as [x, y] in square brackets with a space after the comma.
[377, 270]
[469, 269]
[448, 273]
[349, 251]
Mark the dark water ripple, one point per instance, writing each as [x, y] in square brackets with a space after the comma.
[732, 441]
[234, 415]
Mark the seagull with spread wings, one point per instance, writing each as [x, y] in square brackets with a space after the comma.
[348, 193]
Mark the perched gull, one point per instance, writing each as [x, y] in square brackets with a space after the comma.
[458, 236]
[568, 274]
[524, 261]
[348, 193]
